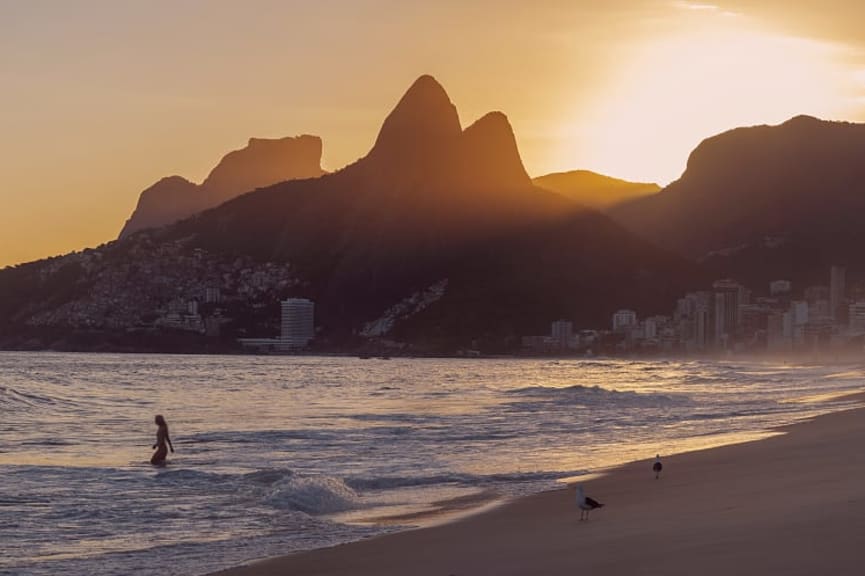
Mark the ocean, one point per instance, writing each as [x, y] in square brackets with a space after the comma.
[282, 453]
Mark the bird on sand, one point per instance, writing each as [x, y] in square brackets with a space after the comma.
[585, 503]
[657, 466]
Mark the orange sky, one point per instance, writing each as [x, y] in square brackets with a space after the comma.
[100, 99]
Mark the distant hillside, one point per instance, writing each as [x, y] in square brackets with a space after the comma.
[594, 190]
[437, 238]
[780, 201]
[261, 163]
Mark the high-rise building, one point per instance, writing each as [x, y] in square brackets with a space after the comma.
[561, 332]
[212, 294]
[779, 331]
[799, 310]
[729, 296]
[650, 328]
[297, 323]
[837, 291]
[623, 320]
[857, 317]
[816, 293]
[693, 320]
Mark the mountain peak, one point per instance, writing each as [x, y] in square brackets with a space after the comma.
[803, 119]
[426, 84]
[492, 154]
[424, 122]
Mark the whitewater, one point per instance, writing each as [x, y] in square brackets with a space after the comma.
[284, 453]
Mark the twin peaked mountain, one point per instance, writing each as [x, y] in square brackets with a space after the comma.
[431, 205]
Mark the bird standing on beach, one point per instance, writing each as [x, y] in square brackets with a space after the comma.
[586, 504]
[657, 466]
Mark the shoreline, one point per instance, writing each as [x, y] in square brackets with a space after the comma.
[712, 509]
[813, 358]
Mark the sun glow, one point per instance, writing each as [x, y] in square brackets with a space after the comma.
[672, 92]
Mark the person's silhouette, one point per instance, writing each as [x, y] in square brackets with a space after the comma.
[162, 437]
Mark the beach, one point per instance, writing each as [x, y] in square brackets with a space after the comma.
[793, 503]
[327, 462]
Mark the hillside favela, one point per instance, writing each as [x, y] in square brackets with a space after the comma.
[380, 287]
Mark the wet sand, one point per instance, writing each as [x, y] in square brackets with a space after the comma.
[792, 504]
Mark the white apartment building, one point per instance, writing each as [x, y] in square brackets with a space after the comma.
[297, 323]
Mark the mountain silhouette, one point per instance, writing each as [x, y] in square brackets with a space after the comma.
[261, 163]
[595, 190]
[436, 237]
[432, 202]
[764, 202]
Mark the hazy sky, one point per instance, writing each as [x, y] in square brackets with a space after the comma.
[100, 98]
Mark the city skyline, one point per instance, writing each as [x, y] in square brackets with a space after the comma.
[728, 317]
[622, 89]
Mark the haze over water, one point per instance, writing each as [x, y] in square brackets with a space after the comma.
[276, 454]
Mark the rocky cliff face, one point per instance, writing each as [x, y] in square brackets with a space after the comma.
[261, 163]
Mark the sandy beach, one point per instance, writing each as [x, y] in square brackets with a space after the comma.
[789, 504]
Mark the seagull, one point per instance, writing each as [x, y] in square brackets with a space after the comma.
[585, 503]
[657, 466]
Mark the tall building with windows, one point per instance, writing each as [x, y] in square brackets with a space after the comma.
[561, 332]
[624, 320]
[837, 290]
[729, 297]
[857, 317]
[297, 323]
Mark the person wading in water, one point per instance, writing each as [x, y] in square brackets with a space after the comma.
[162, 437]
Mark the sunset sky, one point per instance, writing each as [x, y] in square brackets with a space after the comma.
[99, 99]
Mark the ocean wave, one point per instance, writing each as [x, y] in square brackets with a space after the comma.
[704, 379]
[312, 495]
[606, 364]
[596, 395]
[13, 398]
[279, 488]
[191, 477]
[472, 480]
[262, 437]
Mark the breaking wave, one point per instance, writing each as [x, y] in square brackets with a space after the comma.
[597, 396]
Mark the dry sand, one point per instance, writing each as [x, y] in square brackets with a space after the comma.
[790, 504]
